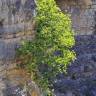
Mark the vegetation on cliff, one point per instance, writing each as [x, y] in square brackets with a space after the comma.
[48, 54]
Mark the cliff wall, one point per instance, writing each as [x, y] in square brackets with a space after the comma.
[16, 24]
[83, 15]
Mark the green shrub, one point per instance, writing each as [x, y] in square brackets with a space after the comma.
[49, 53]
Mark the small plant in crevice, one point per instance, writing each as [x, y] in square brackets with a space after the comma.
[48, 54]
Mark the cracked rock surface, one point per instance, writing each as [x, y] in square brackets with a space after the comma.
[16, 17]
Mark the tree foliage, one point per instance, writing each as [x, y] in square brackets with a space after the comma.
[49, 53]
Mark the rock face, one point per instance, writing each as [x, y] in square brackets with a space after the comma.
[16, 24]
[82, 14]
[16, 11]
[81, 77]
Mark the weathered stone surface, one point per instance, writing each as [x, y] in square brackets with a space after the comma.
[82, 14]
[16, 24]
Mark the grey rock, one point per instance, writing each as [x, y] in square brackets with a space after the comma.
[16, 17]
